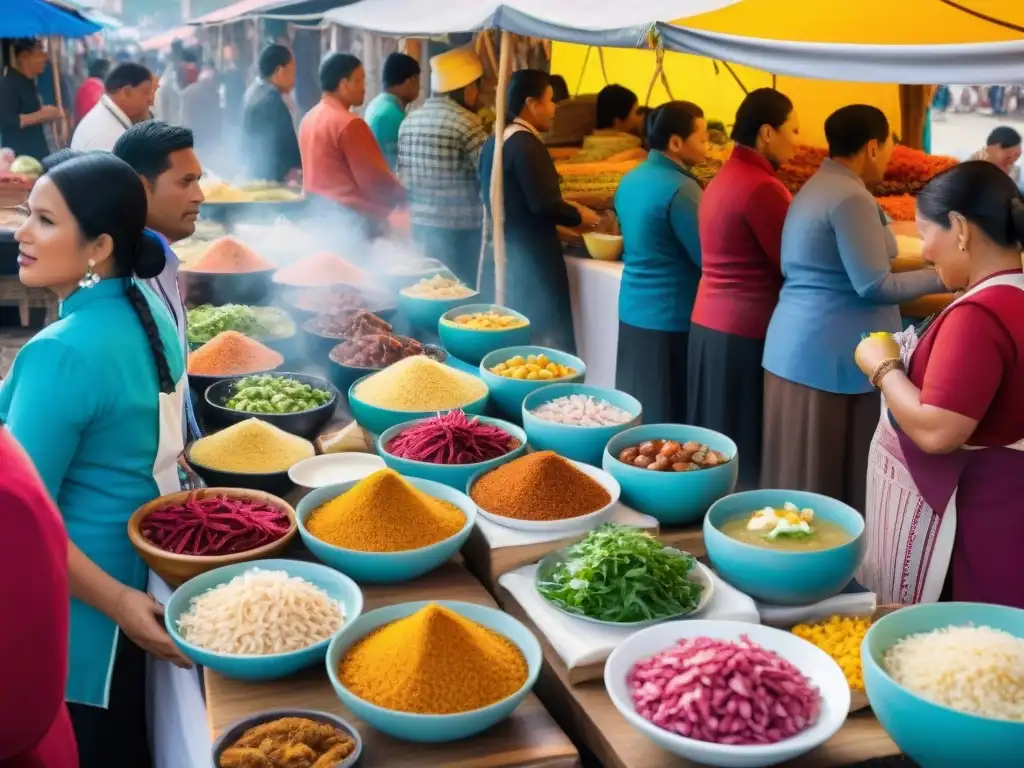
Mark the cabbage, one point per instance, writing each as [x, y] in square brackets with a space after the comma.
[27, 166]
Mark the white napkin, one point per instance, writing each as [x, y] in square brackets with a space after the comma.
[499, 536]
[578, 642]
[846, 604]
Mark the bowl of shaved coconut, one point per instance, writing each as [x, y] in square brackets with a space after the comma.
[946, 681]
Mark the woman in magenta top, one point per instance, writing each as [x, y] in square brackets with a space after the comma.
[741, 222]
[91, 90]
[946, 469]
[35, 730]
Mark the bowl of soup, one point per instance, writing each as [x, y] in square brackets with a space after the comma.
[812, 556]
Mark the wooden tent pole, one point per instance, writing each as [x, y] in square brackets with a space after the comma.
[497, 190]
[60, 129]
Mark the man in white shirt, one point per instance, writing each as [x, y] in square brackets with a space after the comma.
[130, 91]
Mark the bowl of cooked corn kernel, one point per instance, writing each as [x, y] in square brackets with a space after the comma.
[841, 637]
[511, 373]
[469, 332]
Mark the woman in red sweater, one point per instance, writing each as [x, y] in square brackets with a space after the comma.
[35, 730]
[741, 221]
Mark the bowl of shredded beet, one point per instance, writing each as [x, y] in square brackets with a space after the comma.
[181, 535]
[451, 447]
[728, 693]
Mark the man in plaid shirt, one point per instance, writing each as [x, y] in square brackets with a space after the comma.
[438, 153]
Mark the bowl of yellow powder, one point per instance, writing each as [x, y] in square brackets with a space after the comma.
[385, 528]
[433, 671]
[251, 454]
[414, 388]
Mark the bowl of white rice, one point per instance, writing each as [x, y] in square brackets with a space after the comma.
[263, 620]
[946, 681]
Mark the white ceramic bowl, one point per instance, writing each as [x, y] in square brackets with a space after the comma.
[814, 663]
[580, 524]
[333, 468]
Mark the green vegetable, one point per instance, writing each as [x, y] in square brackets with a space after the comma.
[622, 574]
[261, 323]
[275, 394]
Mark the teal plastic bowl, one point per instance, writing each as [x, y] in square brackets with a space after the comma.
[271, 666]
[379, 420]
[453, 475]
[386, 567]
[408, 726]
[673, 498]
[931, 734]
[471, 344]
[424, 314]
[584, 444]
[776, 576]
[508, 394]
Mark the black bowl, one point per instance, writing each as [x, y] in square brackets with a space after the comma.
[234, 732]
[219, 288]
[344, 376]
[318, 345]
[277, 483]
[305, 424]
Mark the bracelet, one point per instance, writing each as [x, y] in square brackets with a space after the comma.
[884, 368]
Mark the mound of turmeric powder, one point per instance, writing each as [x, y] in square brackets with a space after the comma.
[434, 662]
[384, 513]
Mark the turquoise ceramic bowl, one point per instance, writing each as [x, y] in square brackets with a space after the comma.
[454, 475]
[673, 498]
[508, 394]
[470, 344]
[273, 666]
[408, 726]
[584, 444]
[775, 576]
[424, 314]
[386, 567]
[379, 420]
[931, 734]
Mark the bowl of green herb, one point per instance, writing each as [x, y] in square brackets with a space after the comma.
[624, 577]
[295, 402]
[265, 324]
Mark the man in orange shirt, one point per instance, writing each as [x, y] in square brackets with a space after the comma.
[341, 160]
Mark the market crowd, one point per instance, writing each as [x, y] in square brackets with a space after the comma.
[742, 308]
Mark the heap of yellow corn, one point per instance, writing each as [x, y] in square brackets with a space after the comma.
[840, 637]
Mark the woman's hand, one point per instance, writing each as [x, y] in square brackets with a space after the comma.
[590, 218]
[873, 350]
[140, 617]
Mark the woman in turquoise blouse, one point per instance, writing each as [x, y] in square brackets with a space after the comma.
[95, 399]
[657, 206]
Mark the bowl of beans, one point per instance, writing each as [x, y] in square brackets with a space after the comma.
[324, 332]
[470, 332]
[355, 358]
[577, 420]
[511, 373]
[756, 725]
[672, 472]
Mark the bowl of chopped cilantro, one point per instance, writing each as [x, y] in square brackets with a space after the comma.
[295, 402]
[624, 577]
[270, 325]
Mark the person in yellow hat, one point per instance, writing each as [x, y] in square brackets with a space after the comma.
[438, 156]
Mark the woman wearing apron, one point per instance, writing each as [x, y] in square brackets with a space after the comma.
[946, 470]
[95, 399]
[537, 281]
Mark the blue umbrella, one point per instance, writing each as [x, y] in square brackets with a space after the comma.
[37, 18]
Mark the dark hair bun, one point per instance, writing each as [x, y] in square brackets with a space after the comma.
[1017, 217]
[151, 258]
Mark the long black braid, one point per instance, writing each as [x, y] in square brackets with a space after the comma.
[163, 368]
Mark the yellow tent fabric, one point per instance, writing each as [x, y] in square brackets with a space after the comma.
[868, 22]
[694, 78]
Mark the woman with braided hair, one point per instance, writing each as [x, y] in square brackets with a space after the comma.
[95, 400]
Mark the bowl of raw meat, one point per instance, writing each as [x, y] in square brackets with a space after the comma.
[727, 693]
[184, 534]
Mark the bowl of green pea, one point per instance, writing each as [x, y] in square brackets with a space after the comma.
[295, 402]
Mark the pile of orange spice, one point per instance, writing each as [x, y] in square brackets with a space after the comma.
[318, 270]
[230, 353]
[227, 255]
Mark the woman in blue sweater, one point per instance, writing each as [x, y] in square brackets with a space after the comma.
[657, 206]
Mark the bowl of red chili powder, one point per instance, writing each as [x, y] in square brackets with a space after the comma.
[184, 534]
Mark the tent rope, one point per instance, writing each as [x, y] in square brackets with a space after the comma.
[983, 16]
[583, 71]
[731, 71]
[604, 70]
[655, 42]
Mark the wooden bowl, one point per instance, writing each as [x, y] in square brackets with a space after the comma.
[177, 569]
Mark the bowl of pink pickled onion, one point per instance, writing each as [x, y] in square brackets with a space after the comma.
[727, 693]
[184, 534]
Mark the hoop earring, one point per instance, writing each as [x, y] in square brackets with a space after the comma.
[90, 278]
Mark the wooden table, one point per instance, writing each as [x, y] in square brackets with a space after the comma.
[530, 738]
[588, 715]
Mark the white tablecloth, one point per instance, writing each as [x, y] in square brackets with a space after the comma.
[594, 288]
[176, 710]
